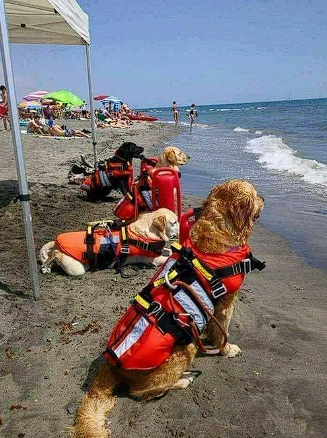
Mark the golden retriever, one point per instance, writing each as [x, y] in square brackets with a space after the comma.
[159, 225]
[226, 222]
[172, 157]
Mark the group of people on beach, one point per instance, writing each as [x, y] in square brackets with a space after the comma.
[192, 114]
[35, 126]
[112, 116]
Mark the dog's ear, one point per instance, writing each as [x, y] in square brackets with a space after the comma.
[160, 223]
[242, 213]
[171, 157]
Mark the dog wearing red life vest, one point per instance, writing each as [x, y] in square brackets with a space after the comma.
[115, 173]
[144, 241]
[220, 233]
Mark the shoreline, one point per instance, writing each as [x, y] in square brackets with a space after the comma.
[50, 349]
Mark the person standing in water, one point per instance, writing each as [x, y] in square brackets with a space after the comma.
[193, 114]
[175, 112]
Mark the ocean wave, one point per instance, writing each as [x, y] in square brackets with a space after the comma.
[229, 109]
[195, 126]
[258, 132]
[239, 129]
[276, 155]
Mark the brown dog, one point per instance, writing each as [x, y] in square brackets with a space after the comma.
[226, 222]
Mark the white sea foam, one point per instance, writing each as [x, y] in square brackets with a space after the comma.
[274, 154]
[258, 132]
[230, 109]
[239, 129]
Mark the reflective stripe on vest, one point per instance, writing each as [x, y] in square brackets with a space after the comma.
[147, 196]
[103, 178]
[190, 307]
[138, 329]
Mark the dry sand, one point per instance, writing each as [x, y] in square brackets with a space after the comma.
[49, 350]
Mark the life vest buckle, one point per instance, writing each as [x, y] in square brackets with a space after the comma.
[124, 249]
[154, 309]
[247, 266]
[168, 283]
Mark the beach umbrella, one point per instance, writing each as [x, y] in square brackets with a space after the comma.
[100, 97]
[112, 99]
[65, 97]
[30, 104]
[35, 95]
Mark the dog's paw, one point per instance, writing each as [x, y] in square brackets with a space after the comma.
[184, 381]
[231, 350]
[45, 269]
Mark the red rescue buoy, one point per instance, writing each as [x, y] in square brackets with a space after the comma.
[166, 190]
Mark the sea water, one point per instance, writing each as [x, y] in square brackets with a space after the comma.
[281, 147]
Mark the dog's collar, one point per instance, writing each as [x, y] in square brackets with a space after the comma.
[121, 158]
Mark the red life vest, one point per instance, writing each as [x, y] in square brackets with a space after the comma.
[107, 247]
[147, 333]
[108, 175]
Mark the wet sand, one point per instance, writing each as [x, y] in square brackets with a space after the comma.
[50, 350]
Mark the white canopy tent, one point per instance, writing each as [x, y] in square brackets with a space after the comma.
[38, 22]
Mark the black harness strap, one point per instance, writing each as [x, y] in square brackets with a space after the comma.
[151, 246]
[89, 241]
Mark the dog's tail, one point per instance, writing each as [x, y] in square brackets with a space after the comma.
[45, 251]
[95, 406]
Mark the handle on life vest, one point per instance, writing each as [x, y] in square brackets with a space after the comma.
[166, 190]
[204, 349]
[186, 223]
[147, 163]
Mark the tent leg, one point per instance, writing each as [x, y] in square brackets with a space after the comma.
[18, 150]
[89, 78]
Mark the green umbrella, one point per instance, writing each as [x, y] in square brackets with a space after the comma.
[65, 97]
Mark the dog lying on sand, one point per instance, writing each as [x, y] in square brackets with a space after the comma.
[221, 232]
[141, 242]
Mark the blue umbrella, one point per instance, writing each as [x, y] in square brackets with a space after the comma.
[112, 99]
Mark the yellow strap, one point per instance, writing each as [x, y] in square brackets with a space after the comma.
[162, 280]
[89, 229]
[129, 196]
[176, 245]
[123, 233]
[142, 301]
[200, 268]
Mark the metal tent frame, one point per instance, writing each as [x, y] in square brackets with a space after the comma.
[37, 22]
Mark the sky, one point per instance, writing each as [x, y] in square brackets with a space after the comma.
[152, 52]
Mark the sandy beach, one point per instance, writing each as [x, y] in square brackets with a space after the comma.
[49, 350]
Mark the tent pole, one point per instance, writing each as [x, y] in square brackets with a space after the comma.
[18, 150]
[89, 78]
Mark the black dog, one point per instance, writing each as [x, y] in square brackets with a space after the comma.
[115, 173]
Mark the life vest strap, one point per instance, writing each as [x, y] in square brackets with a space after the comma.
[89, 254]
[165, 321]
[148, 246]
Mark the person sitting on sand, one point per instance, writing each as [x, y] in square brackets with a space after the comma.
[34, 126]
[63, 131]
